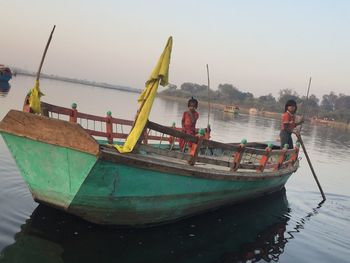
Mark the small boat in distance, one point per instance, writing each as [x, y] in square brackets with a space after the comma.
[253, 111]
[232, 109]
[4, 88]
[5, 73]
[68, 160]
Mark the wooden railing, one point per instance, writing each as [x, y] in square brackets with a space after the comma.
[240, 156]
[199, 148]
[106, 127]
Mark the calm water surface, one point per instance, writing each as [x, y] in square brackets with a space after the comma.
[290, 226]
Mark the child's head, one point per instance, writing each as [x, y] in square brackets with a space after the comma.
[291, 106]
[192, 104]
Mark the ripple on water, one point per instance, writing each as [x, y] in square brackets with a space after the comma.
[320, 230]
[14, 212]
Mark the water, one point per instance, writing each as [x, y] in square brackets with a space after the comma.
[290, 226]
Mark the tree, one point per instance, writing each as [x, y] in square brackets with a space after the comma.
[342, 103]
[328, 102]
[309, 106]
[229, 93]
[287, 94]
[267, 102]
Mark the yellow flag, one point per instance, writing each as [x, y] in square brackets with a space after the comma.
[159, 74]
[34, 98]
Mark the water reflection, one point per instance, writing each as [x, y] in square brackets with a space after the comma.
[4, 88]
[244, 233]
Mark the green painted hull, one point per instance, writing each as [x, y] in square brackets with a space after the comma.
[53, 174]
[126, 195]
[66, 168]
[107, 192]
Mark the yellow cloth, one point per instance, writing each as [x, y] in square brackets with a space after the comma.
[145, 100]
[34, 98]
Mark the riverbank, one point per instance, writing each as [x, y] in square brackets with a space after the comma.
[218, 106]
[273, 115]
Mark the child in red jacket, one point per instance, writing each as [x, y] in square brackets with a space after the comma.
[289, 124]
[189, 120]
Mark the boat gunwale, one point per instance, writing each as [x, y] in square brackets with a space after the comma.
[150, 163]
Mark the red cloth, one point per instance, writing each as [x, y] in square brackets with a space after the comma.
[189, 120]
[288, 118]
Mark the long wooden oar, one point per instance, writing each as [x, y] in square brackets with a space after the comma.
[310, 164]
[208, 96]
[43, 57]
[26, 105]
[304, 148]
[307, 99]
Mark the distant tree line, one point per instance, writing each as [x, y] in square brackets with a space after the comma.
[332, 106]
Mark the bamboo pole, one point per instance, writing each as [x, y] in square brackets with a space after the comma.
[208, 95]
[307, 99]
[311, 167]
[43, 57]
[304, 148]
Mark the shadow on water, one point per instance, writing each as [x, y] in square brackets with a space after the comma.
[4, 88]
[243, 233]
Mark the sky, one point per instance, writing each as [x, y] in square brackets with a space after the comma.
[257, 46]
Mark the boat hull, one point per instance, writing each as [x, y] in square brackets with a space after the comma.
[134, 196]
[66, 168]
[110, 192]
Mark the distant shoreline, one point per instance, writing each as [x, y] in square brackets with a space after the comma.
[274, 115]
[82, 82]
[220, 106]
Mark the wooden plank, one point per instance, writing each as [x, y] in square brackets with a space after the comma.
[221, 145]
[171, 131]
[48, 130]
[91, 117]
[152, 163]
[213, 161]
[56, 109]
[183, 156]
[164, 152]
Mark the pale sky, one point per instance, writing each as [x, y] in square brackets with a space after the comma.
[258, 46]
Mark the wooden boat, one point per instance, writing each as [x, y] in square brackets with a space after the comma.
[68, 161]
[5, 73]
[4, 88]
[231, 109]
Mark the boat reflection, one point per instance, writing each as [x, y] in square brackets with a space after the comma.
[243, 233]
[4, 88]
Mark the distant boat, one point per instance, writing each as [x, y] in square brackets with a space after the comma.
[4, 88]
[253, 111]
[231, 109]
[68, 164]
[5, 73]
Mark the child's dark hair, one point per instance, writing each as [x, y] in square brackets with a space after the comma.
[290, 103]
[192, 101]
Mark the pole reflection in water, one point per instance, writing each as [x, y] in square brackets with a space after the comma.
[242, 233]
[4, 88]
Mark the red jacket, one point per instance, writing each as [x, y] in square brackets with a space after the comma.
[288, 121]
[189, 120]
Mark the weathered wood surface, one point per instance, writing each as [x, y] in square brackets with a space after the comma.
[180, 167]
[52, 131]
[171, 131]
